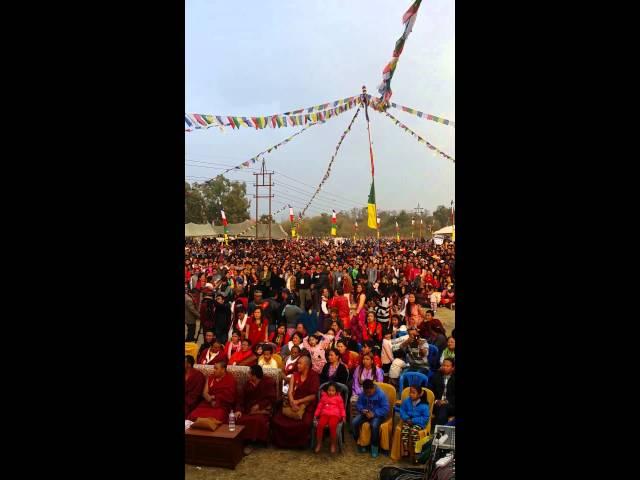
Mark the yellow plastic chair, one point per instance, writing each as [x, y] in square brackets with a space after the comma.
[396, 446]
[279, 361]
[386, 427]
[191, 348]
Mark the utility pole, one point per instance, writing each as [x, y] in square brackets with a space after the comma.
[263, 172]
[419, 211]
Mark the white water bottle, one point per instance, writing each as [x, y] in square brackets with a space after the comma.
[232, 421]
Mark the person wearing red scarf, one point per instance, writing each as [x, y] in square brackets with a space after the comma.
[219, 395]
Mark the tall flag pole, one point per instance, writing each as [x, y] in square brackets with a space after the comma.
[372, 213]
[293, 228]
[413, 224]
[226, 230]
[333, 224]
[378, 232]
[453, 224]
[355, 233]
[397, 232]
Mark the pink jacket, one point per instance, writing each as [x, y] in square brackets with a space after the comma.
[331, 406]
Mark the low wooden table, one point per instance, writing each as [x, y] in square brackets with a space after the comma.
[220, 448]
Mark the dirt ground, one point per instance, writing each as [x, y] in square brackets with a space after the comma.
[304, 464]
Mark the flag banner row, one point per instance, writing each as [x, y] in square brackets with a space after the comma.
[254, 159]
[324, 106]
[418, 137]
[200, 121]
[328, 172]
[408, 20]
[420, 114]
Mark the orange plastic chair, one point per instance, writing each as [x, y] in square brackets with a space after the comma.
[386, 427]
[396, 446]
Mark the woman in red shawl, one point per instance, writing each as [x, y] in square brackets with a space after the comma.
[244, 356]
[234, 345]
[257, 327]
[372, 329]
[219, 395]
[193, 385]
[280, 337]
[349, 358]
[215, 353]
[240, 320]
[341, 304]
[254, 412]
[303, 390]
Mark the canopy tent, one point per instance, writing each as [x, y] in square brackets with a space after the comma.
[199, 230]
[445, 231]
[246, 230]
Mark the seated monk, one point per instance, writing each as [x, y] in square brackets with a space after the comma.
[244, 356]
[194, 381]
[219, 395]
[303, 393]
[255, 409]
[213, 354]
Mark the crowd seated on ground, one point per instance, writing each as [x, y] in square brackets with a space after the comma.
[357, 317]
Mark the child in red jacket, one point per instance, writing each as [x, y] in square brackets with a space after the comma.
[330, 411]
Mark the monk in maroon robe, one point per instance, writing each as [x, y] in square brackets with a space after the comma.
[215, 353]
[194, 382]
[256, 407]
[219, 395]
[303, 390]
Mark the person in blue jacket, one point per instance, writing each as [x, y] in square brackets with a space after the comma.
[372, 407]
[414, 412]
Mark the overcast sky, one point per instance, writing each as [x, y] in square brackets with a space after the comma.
[271, 56]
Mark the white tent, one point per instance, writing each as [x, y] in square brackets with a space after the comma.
[445, 231]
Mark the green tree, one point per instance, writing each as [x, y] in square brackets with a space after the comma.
[441, 217]
[222, 194]
[194, 205]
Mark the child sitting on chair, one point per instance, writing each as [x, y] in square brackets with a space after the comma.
[414, 412]
[330, 411]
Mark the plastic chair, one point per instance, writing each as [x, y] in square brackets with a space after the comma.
[344, 393]
[278, 360]
[396, 445]
[433, 357]
[413, 378]
[386, 427]
[191, 348]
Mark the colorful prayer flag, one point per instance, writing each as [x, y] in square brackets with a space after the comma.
[371, 208]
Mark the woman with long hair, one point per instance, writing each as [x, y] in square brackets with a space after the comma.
[334, 370]
[257, 328]
[413, 313]
[366, 370]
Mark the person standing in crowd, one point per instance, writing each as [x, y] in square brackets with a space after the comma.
[207, 309]
[191, 315]
[257, 328]
[303, 285]
[222, 318]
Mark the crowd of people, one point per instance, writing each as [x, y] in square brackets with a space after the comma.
[338, 315]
